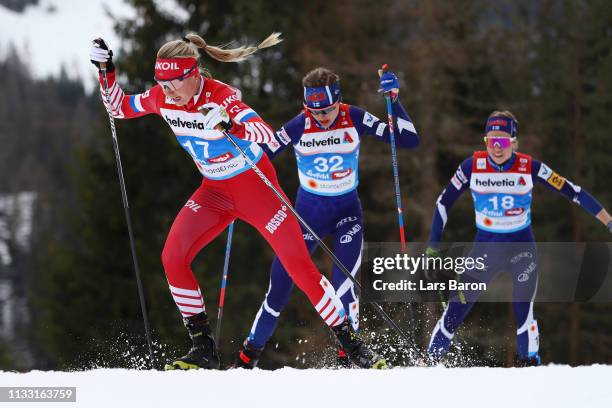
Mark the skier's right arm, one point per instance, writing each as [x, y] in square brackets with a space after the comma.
[121, 105]
[457, 185]
[290, 133]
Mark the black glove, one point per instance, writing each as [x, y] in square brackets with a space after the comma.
[100, 53]
[610, 226]
[432, 275]
[435, 273]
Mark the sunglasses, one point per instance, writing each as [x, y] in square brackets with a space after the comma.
[176, 83]
[317, 112]
[501, 142]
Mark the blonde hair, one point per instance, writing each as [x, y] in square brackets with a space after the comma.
[505, 113]
[189, 46]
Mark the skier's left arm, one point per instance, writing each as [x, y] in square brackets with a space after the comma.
[368, 124]
[545, 175]
[459, 183]
[404, 131]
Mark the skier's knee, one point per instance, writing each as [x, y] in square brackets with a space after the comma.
[273, 308]
[172, 258]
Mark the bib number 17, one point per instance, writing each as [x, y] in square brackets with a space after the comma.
[191, 149]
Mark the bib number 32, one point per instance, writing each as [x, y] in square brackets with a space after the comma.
[322, 164]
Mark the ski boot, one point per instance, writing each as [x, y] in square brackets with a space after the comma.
[533, 360]
[342, 359]
[248, 357]
[203, 353]
[355, 349]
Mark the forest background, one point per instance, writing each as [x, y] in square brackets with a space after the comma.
[71, 285]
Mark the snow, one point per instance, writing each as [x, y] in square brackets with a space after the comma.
[550, 386]
[59, 32]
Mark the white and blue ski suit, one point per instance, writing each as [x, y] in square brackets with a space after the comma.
[327, 199]
[502, 206]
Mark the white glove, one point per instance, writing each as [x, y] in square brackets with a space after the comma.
[99, 53]
[215, 116]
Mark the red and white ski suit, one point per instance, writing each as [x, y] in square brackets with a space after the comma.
[230, 189]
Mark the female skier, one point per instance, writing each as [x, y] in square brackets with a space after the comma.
[194, 105]
[501, 182]
[326, 139]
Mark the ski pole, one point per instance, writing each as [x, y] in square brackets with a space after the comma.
[398, 198]
[228, 247]
[329, 252]
[128, 220]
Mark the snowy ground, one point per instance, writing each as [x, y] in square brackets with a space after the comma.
[551, 386]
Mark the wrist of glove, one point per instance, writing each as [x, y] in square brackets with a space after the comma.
[432, 275]
[435, 271]
[389, 84]
[432, 252]
[215, 116]
[610, 226]
[101, 54]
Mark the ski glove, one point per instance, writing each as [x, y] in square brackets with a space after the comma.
[432, 252]
[432, 275]
[610, 226]
[215, 115]
[100, 53]
[389, 83]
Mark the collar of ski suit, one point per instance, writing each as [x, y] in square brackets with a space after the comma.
[505, 165]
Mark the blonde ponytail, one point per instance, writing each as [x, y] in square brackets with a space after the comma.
[189, 45]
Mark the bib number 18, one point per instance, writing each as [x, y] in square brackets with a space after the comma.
[507, 202]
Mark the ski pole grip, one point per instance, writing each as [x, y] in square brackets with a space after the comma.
[220, 128]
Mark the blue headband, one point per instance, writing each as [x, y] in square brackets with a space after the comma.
[322, 96]
[502, 124]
